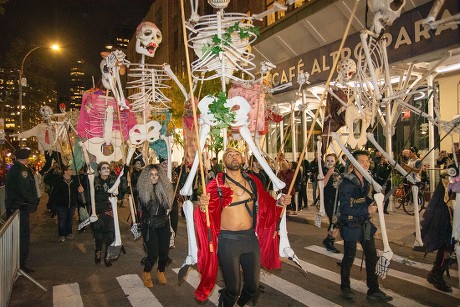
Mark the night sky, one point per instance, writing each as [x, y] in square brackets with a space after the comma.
[83, 27]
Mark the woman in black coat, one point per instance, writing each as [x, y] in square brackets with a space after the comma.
[64, 197]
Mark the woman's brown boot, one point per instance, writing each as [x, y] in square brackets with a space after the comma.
[148, 280]
[161, 278]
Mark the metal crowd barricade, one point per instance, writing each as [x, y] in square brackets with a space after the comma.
[9, 258]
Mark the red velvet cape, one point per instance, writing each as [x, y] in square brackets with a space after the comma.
[267, 218]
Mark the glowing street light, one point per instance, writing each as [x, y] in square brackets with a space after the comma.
[23, 82]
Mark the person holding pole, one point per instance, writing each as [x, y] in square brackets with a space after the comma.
[244, 217]
[356, 206]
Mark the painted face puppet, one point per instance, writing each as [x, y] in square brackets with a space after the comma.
[148, 38]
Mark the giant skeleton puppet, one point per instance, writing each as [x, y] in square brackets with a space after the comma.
[103, 126]
[51, 135]
[220, 61]
[147, 82]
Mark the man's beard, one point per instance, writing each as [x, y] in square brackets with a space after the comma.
[233, 166]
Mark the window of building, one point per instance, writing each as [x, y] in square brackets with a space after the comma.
[271, 18]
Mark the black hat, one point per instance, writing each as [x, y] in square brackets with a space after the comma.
[22, 153]
[414, 149]
[162, 159]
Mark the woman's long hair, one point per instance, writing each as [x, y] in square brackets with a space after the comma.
[163, 189]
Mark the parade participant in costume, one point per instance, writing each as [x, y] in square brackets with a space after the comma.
[286, 174]
[381, 174]
[243, 216]
[331, 181]
[136, 172]
[155, 200]
[437, 233]
[257, 170]
[64, 197]
[103, 228]
[356, 206]
[21, 194]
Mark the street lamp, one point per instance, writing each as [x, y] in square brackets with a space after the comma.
[21, 72]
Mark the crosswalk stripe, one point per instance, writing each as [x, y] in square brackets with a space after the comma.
[357, 285]
[193, 278]
[391, 272]
[67, 295]
[299, 294]
[408, 262]
[138, 294]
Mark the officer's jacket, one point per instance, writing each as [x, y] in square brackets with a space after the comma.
[21, 191]
[354, 202]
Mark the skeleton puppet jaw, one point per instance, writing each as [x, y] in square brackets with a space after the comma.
[148, 38]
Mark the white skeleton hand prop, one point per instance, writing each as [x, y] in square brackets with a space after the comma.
[386, 11]
[114, 189]
[381, 268]
[148, 38]
[110, 68]
[285, 249]
[140, 133]
[134, 227]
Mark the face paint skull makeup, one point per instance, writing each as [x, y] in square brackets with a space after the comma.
[330, 162]
[148, 38]
[105, 170]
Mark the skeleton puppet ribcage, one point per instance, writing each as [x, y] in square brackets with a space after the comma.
[148, 81]
[93, 115]
[234, 55]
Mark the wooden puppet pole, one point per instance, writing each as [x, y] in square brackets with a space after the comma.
[310, 132]
[195, 121]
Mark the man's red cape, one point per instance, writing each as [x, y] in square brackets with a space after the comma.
[267, 218]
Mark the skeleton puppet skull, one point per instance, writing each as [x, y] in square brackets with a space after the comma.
[148, 38]
[346, 69]
[46, 112]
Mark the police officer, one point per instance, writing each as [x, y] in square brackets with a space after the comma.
[356, 206]
[21, 193]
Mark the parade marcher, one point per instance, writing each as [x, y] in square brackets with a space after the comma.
[256, 169]
[239, 208]
[381, 174]
[314, 178]
[356, 206]
[331, 181]
[437, 233]
[155, 198]
[135, 173]
[64, 197]
[286, 174]
[103, 228]
[303, 197]
[21, 194]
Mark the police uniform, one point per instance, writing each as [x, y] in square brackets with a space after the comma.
[21, 193]
[355, 226]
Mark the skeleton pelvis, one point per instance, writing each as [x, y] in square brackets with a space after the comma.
[103, 151]
[353, 116]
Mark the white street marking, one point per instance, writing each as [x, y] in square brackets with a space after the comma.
[138, 295]
[67, 295]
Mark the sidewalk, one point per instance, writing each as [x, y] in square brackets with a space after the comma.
[400, 226]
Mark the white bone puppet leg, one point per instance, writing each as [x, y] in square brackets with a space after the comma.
[322, 210]
[246, 135]
[285, 249]
[113, 251]
[93, 217]
[385, 257]
[187, 188]
[192, 255]
[418, 234]
[134, 228]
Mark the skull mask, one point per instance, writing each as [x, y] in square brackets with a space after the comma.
[346, 69]
[148, 38]
[46, 113]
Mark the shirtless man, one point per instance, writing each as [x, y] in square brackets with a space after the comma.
[238, 204]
